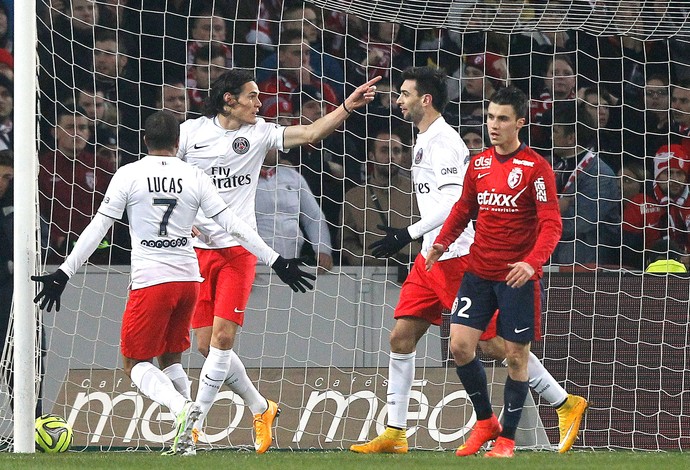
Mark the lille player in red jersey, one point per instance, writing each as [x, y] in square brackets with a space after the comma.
[510, 191]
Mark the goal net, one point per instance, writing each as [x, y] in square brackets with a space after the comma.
[612, 77]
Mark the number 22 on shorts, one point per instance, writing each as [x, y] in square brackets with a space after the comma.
[460, 310]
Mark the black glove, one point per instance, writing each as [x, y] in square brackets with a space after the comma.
[395, 240]
[289, 272]
[53, 285]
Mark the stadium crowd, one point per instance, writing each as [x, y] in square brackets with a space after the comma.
[610, 112]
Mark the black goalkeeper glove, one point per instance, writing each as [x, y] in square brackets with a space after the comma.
[289, 272]
[53, 285]
[395, 240]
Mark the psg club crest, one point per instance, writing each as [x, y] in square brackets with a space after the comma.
[418, 157]
[240, 145]
[515, 177]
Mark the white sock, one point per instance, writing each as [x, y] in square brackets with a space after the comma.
[213, 373]
[542, 382]
[400, 376]
[239, 382]
[153, 383]
[179, 378]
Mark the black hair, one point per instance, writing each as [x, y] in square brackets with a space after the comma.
[231, 82]
[161, 131]
[430, 81]
[209, 52]
[514, 97]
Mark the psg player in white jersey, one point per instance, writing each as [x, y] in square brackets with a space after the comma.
[161, 196]
[440, 160]
[510, 191]
[229, 143]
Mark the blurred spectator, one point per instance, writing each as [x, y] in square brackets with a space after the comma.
[671, 168]
[207, 28]
[387, 198]
[294, 72]
[6, 64]
[173, 97]
[304, 20]
[619, 59]
[474, 139]
[600, 105]
[101, 114]
[482, 75]
[209, 64]
[540, 35]
[589, 196]
[559, 85]
[6, 36]
[65, 50]
[120, 89]
[263, 30]
[278, 110]
[72, 182]
[377, 54]
[6, 238]
[656, 118]
[323, 164]
[6, 113]
[641, 215]
[680, 114]
[335, 26]
[163, 39]
[287, 213]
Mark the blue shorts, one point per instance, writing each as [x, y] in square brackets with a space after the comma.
[519, 317]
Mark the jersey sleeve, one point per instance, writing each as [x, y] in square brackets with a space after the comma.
[210, 202]
[548, 216]
[461, 213]
[184, 139]
[116, 196]
[275, 134]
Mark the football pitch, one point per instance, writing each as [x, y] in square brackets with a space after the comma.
[344, 460]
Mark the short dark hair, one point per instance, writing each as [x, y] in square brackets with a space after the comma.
[514, 97]
[231, 82]
[209, 52]
[430, 81]
[574, 119]
[161, 130]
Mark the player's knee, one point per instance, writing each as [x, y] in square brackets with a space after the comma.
[223, 339]
[461, 352]
[402, 343]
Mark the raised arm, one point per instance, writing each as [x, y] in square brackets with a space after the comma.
[323, 127]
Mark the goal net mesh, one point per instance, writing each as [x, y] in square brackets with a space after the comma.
[612, 75]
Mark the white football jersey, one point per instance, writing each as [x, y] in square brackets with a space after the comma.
[440, 157]
[162, 196]
[233, 160]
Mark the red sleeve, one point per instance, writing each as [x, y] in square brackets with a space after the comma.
[461, 213]
[550, 225]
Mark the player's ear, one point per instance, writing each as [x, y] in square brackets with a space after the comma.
[229, 99]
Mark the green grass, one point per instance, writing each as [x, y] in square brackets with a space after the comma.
[342, 460]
